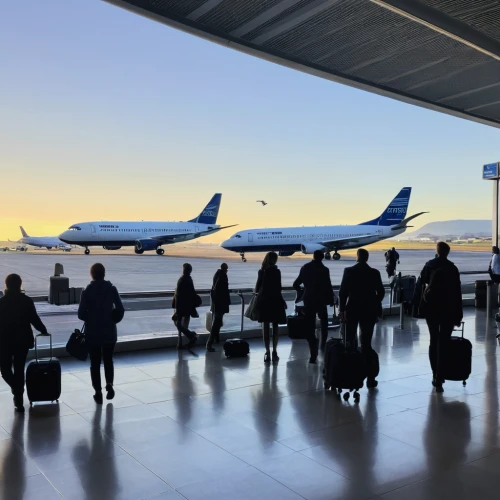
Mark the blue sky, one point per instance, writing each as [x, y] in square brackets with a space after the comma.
[107, 115]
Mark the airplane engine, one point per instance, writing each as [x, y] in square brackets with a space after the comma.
[111, 248]
[310, 248]
[286, 253]
[145, 245]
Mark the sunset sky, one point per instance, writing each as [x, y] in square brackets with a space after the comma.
[107, 115]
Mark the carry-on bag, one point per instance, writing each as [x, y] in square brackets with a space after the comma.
[344, 366]
[208, 321]
[43, 377]
[296, 326]
[237, 348]
[457, 360]
[77, 345]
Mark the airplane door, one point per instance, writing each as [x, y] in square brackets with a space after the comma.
[250, 238]
[93, 231]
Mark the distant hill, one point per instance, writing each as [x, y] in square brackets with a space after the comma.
[456, 228]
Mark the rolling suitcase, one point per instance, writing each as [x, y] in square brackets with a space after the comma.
[458, 359]
[43, 377]
[344, 366]
[237, 348]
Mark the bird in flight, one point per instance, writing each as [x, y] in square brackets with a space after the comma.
[263, 202]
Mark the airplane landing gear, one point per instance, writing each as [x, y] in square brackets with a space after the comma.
[243, 256]
[138, 252]
[336, 256]
[87, 251]
[328, 256]
[160, 251]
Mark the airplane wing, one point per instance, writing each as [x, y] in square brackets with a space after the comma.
[174, 238]
[344, 242]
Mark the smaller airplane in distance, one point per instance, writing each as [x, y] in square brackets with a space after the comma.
[48, 242]
[264, 203]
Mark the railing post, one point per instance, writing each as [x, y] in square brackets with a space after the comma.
[401, 316]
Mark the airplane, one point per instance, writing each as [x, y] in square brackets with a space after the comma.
[48, 242]
[144, 235]
[288, 240]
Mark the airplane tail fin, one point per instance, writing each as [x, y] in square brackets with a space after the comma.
[23, 232]
[396, 211]
[210, 212]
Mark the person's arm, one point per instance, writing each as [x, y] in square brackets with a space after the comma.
[119, 310]
[458, 298]
[35, 319]
[426, 275]
[344, 291]
[329, 288]
[379, 286]
[297, 284]
[82, 308]
[259, 281]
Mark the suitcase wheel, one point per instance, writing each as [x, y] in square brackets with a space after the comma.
[326, 386]
[356, 396]
[346, 396]
[464, 383]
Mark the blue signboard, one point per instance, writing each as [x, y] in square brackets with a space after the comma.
[491, 171]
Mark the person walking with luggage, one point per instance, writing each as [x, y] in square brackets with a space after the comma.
[220, 302]
[270, 303]
[101, 309]
[17, 315]
[318, 294]
[185, 302]
[442, 307]
[361, 294]
[391, 259]
[494, 267]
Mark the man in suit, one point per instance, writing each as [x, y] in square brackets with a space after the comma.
[442, 301]
[318, 294]
[361, 294]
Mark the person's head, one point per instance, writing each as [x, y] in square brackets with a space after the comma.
[187, 269]
[269, 260]
[495, 250]
[224, 267]
[13, 284]
[362, 255]
[97, 272]
[318, 255]
[393, 249]
[443, 249]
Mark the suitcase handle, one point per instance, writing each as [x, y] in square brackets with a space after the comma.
[461, 329]
[36, 346]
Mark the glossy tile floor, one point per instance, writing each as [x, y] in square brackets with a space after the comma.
[203, 427]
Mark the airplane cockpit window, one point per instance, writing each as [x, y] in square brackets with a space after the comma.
[236, 236]
[75, 228]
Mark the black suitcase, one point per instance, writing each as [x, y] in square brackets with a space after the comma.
[458, 359]
[43, 377]
[344, 366]
[296, 326]
[236, 348]
[407, 288]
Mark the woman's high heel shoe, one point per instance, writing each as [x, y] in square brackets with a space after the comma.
[267, 358]
[275, 357]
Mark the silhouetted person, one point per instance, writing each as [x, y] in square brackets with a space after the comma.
[220, 302]
[442, 306]
[185, 303]
[361, 294]
[101, 308]
[17, 314]
[494, 268]
[391, 259]
[318, 294]
[270, 303]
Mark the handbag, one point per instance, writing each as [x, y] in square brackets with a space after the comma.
[252, 311]
[208, 321]
[77, 345]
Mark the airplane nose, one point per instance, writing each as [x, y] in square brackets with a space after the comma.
[224, 244]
